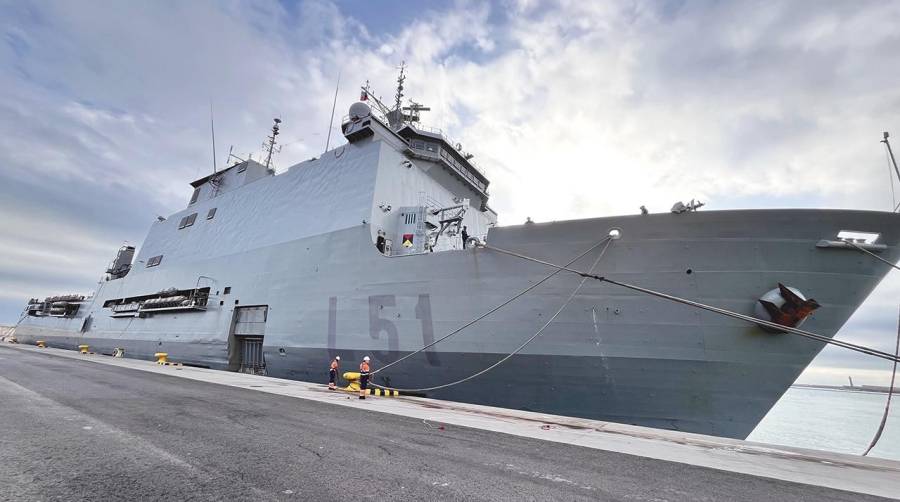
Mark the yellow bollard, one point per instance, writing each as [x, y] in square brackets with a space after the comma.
[352, 378]
[161, 357]
[42, 344]
[83, 349]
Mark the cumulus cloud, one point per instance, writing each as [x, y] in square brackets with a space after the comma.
[573, 109]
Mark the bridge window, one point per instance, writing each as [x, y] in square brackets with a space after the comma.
[154, 261]
[195, 196]
[211, 214]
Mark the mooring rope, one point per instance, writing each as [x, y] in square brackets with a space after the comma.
[494, 309]
[807, 334]
[873, 255]
[887, 406]
[520, 347]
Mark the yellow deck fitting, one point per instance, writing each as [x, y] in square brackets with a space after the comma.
[118, 352]
[83, 349]
[42, 344]
[161, 357]
[352, 377]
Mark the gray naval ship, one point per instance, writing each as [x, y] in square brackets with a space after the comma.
[360, 252]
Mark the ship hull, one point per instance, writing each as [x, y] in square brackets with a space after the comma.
[612, 354]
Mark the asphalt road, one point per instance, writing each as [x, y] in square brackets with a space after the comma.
[75, 430]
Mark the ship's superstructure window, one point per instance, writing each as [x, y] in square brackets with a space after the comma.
[187, 220]
[434, 149]
[428, 146]
[154, 261]
[211, 214]
[195, 196]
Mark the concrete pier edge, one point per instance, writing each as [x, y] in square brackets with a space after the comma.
[868, 475]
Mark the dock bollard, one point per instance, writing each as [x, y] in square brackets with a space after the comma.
[83, 349]
[118, 352]
[161, 357]
[41, 344]
[352, 377]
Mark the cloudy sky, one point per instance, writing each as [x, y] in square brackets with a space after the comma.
[573, 108]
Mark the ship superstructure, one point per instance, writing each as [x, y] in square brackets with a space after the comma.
[361, 252]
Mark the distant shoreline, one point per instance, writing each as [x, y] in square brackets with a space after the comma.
[877, 389]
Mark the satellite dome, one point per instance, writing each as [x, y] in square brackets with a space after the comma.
[359, 110]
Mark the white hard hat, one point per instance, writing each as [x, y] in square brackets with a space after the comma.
[337, 357]
[366, 358]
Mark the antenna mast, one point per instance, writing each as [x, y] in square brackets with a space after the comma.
[891, 155]
[400, 79]
[270, 147]
[333, 105]
[399, 115]
[212, 127]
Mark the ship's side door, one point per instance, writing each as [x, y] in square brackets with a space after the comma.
[247, 335]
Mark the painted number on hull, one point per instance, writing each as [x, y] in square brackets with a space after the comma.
[380, 325]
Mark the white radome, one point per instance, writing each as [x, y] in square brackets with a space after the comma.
[359, 110]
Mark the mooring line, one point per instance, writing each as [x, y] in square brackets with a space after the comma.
[807, 334]
[496, 308]
[887, 406]
[520, 347]
[873, 255]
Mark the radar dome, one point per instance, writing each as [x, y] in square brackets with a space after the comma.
[359, 110]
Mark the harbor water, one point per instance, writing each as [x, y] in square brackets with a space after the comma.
[832, 420]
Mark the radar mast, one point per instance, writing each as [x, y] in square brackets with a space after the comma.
[269, 146]
[399, 115]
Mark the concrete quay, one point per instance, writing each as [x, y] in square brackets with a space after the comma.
[93, 427]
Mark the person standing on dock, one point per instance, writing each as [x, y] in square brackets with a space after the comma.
[465, 236]
[332, 372]
[363, 377]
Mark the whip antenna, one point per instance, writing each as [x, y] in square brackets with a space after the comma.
[212, 127]
[892, 160]
[333, 105]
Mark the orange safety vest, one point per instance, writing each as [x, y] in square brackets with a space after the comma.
[364, 367]
[334, 364]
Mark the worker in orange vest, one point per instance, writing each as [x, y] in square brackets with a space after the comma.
[363, 377]
[332, 373]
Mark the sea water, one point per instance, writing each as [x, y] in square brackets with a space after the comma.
[832, 420]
